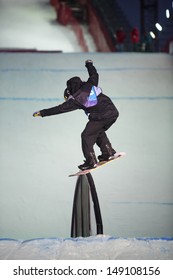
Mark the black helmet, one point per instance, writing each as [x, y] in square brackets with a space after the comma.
[66, 94]
[74, 84]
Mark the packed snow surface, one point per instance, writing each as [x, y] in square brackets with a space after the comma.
[91, 248]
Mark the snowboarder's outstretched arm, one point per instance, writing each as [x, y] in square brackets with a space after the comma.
[93, 75]
[62, 108]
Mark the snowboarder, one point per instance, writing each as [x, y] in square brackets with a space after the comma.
[100, 110]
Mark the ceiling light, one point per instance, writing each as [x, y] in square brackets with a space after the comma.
[158, 26]
[152, 34]
[167, 13]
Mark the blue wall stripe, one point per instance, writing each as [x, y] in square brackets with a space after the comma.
[144, 203]
[84, 70]
[46, 99]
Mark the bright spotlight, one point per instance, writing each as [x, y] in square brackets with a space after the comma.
[158, 26]
[167, 13]
[152, 34]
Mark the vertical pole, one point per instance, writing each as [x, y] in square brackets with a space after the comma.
[82, 222]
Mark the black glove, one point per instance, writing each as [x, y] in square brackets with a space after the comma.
[87, 62]
[37, 114]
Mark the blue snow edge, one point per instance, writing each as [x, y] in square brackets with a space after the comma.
[90, 239]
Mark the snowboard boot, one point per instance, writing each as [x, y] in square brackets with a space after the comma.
[90, 163]
[108, 154]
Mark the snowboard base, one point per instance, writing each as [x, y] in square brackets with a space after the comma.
[99, 164]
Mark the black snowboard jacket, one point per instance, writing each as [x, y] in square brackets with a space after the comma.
[104, 109]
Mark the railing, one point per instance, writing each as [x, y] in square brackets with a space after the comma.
[65, 16]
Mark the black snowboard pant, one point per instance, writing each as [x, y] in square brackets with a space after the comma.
[94, 133]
